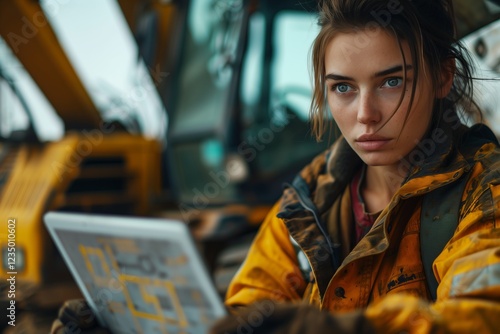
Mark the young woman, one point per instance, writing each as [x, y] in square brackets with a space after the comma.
[346, 236]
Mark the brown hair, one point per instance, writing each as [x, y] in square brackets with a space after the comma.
[429, 28]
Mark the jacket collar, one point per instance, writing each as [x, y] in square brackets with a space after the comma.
[449, 151]
[326, 178]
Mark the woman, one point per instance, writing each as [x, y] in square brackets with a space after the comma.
[346, 236]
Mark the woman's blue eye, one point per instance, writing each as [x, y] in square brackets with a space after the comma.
[342, 88]
[394, 82]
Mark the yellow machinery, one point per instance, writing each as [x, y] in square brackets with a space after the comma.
[95, 167]
[78, 173]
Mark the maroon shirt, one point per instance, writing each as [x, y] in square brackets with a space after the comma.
[364, 220]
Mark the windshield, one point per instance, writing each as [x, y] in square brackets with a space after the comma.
[102, 49]
[293, 37]
[484, 46]
[212, 36]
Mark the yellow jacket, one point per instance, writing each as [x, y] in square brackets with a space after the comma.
[383, 274]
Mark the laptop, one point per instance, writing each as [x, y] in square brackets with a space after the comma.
[139, 275]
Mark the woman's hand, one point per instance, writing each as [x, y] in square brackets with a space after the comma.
[75, 316]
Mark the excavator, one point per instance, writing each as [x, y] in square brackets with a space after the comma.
[195, 110]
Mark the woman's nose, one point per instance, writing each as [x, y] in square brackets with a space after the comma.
[368, 109]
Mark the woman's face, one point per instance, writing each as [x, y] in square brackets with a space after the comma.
[364, 82]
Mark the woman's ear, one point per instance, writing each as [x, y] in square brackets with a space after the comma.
[447, 76]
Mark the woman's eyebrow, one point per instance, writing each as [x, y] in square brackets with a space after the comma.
[332, 76]
[394, 69]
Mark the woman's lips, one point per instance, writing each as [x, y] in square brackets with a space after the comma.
[372, 142]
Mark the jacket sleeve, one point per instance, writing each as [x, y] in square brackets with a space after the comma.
[468, 272]
[270, 270]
